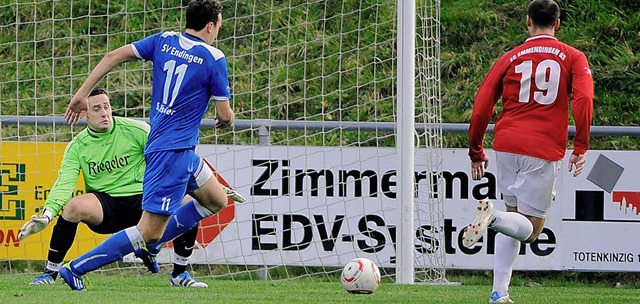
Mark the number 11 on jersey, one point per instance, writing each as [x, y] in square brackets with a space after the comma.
[171, 69]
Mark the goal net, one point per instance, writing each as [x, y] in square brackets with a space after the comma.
[313, 148]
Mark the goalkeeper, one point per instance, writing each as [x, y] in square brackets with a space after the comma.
[110, 154]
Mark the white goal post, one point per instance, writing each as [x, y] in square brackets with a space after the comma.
[337, 144]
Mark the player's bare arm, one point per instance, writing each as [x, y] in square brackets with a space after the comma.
[224, 114]
[78, 104]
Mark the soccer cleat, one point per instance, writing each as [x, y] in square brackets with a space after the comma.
[496, 298]
[43, 279]
[186, 280]
[149, 260]
[477, 228]
[74, 281]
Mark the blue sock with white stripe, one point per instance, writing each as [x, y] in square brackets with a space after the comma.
[111, 250]
[185, 218]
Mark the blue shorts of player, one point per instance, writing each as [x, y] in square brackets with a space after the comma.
[168, 177]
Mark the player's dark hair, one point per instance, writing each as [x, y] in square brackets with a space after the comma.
[201, 12]
[98, 91]
[543, 13]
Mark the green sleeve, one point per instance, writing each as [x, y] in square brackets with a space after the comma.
[67, 178]
[143, 137]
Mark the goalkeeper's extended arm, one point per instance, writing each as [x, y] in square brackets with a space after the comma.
[37, 223]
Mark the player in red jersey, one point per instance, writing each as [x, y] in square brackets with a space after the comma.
[535, 81]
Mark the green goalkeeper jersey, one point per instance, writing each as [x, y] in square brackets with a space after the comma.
[111, 162]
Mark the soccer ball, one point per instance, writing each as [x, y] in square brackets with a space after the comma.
[360, 276]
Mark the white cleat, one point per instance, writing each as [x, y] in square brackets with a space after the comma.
[186, 280]
[477, 228]
[233, 194]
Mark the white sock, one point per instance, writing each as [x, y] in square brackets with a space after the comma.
[505, 255]
[53, 266]
[512, 224]
[202, 210]
[136, 239]
[180, 260]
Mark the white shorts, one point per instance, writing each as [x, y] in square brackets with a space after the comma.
[527, 183]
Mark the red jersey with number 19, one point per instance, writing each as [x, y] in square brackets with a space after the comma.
[535, 81]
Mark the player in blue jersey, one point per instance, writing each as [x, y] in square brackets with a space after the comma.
[110, 155]
[187, 73]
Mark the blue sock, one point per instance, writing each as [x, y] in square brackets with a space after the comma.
[111, 250]
[185, 218]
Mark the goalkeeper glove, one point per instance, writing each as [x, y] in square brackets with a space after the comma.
[235, 196]
[36, 224]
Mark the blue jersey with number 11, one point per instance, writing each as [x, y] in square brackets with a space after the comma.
[187, 72]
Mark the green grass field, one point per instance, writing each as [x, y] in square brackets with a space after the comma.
[155, 289]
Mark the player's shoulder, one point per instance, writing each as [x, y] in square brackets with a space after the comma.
[158, 38]
[81, 137]
[552, 42]
[214, 51]
[169, 34]
[131, 124]
[79, 141]
[188, 43]
[153, 38]
[571, 49]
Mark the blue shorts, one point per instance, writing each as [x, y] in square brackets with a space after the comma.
[168, 177]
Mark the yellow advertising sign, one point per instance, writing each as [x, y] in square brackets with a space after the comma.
[27, 172]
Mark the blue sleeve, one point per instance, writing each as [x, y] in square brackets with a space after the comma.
[144, 48]
[220, 80]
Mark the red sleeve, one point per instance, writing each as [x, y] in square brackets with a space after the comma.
[582, 105]
[486, 98]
